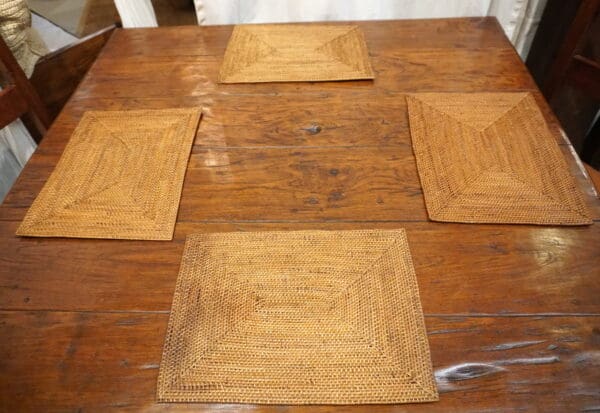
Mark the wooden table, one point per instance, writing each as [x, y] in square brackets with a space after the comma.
[512, 311]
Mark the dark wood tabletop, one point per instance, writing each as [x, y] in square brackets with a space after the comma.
[512, 311]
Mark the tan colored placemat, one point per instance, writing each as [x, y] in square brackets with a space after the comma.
[295, 52]
[490, 158]
[120, 176]
[307, 317]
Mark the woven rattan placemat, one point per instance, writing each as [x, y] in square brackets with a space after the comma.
[490, 158]
[295, 52]
[307, 317]
[120, 176]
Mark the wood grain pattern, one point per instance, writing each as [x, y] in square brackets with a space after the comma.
[594, 176]
[543, 269]
[512, 311]
[329, 119]
[414, 70]
[288, 183]
[109, 362]
[12, 105]
[467, 33]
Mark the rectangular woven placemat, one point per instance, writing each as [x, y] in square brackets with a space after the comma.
[490, 158]
[307, 317]
[294, 53]
[120, 176]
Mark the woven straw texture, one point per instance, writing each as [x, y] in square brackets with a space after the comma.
[15, 28]
[490, 158]
[287, 53]
[120, 176]
[307, 317]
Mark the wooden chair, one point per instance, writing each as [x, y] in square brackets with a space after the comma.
[565, 62]
[571, 64]
[57, 75]
[574, 67]
[18, 97]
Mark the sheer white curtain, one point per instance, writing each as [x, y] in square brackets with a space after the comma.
[16, 146]
[519, 18]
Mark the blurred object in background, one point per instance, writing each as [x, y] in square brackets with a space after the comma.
[23, 41]
[81, 18]
[20, 43]
[78, 17]
[175, 12]
[565, 62]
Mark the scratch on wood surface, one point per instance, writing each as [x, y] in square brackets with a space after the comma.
[450, 318]
[587, 393]
[516, 344]
[119, 404]
[454, 330]
[312, 129]
[447, 387]
[529, 382]
[466, 371]
[592, 358]
[127, 322]
[570, 339]
[148, 366]
[469, 371]
[530, 360]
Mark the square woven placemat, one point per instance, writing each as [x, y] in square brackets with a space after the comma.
[295, 53]
[307, 317]
[490, 158]
[120, 176]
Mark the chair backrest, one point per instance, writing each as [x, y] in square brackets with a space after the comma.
[18, 98]
[570, 64]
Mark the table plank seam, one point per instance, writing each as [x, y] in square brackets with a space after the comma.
[427, 315]
[327, 221]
